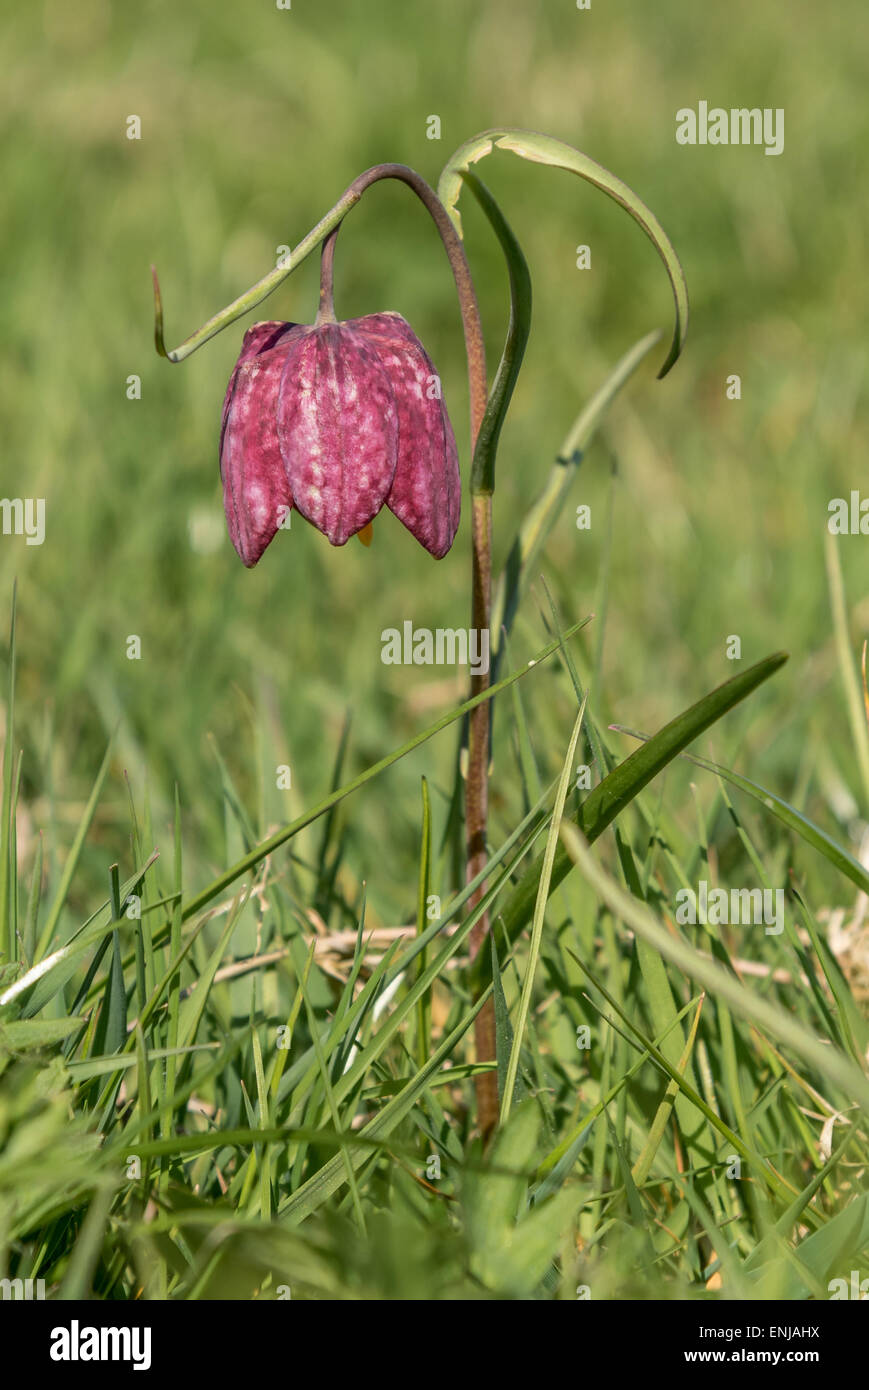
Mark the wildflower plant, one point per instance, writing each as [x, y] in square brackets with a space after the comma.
[340, 419]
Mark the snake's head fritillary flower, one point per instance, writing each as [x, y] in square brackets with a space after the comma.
[336, 420]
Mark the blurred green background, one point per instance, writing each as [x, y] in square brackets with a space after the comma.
[254, 119]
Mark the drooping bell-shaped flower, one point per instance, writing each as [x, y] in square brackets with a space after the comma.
[336, 420]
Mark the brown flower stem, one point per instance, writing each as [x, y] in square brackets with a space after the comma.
[326, 311]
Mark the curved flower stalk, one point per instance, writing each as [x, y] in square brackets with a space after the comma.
[332, 419]
[452, 242]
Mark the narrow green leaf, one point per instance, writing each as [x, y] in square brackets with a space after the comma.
[643, 1165]
[265, 1209]
[111, 1032]
[769, 1175]
[556, 1166]
[503, 1031]
[19, 1034]
[539, 914]
[349, 1167]
[86, 1250]
[545, 510]
[617, 790]
[74, 855]
[856, 707]
[783, 811]
[518, 328]
[52, 972]
[8, 950]
[101, 1066]
[828, 1254]
[282, 1052]
[31, 925]
[174, 986]
[193, 1006]
[543, 149]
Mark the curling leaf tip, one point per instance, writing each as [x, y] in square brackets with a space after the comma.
[544, 149]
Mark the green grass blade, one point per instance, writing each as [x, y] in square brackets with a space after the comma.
[828, 1061]
[52, 972]
[503, 1031]
[539, 914]
[7, 940]
[265, 1120]
[643, 1165]
[853, 694]
[541, 516]
[618, 789]
[783, 811]
[73, 857]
